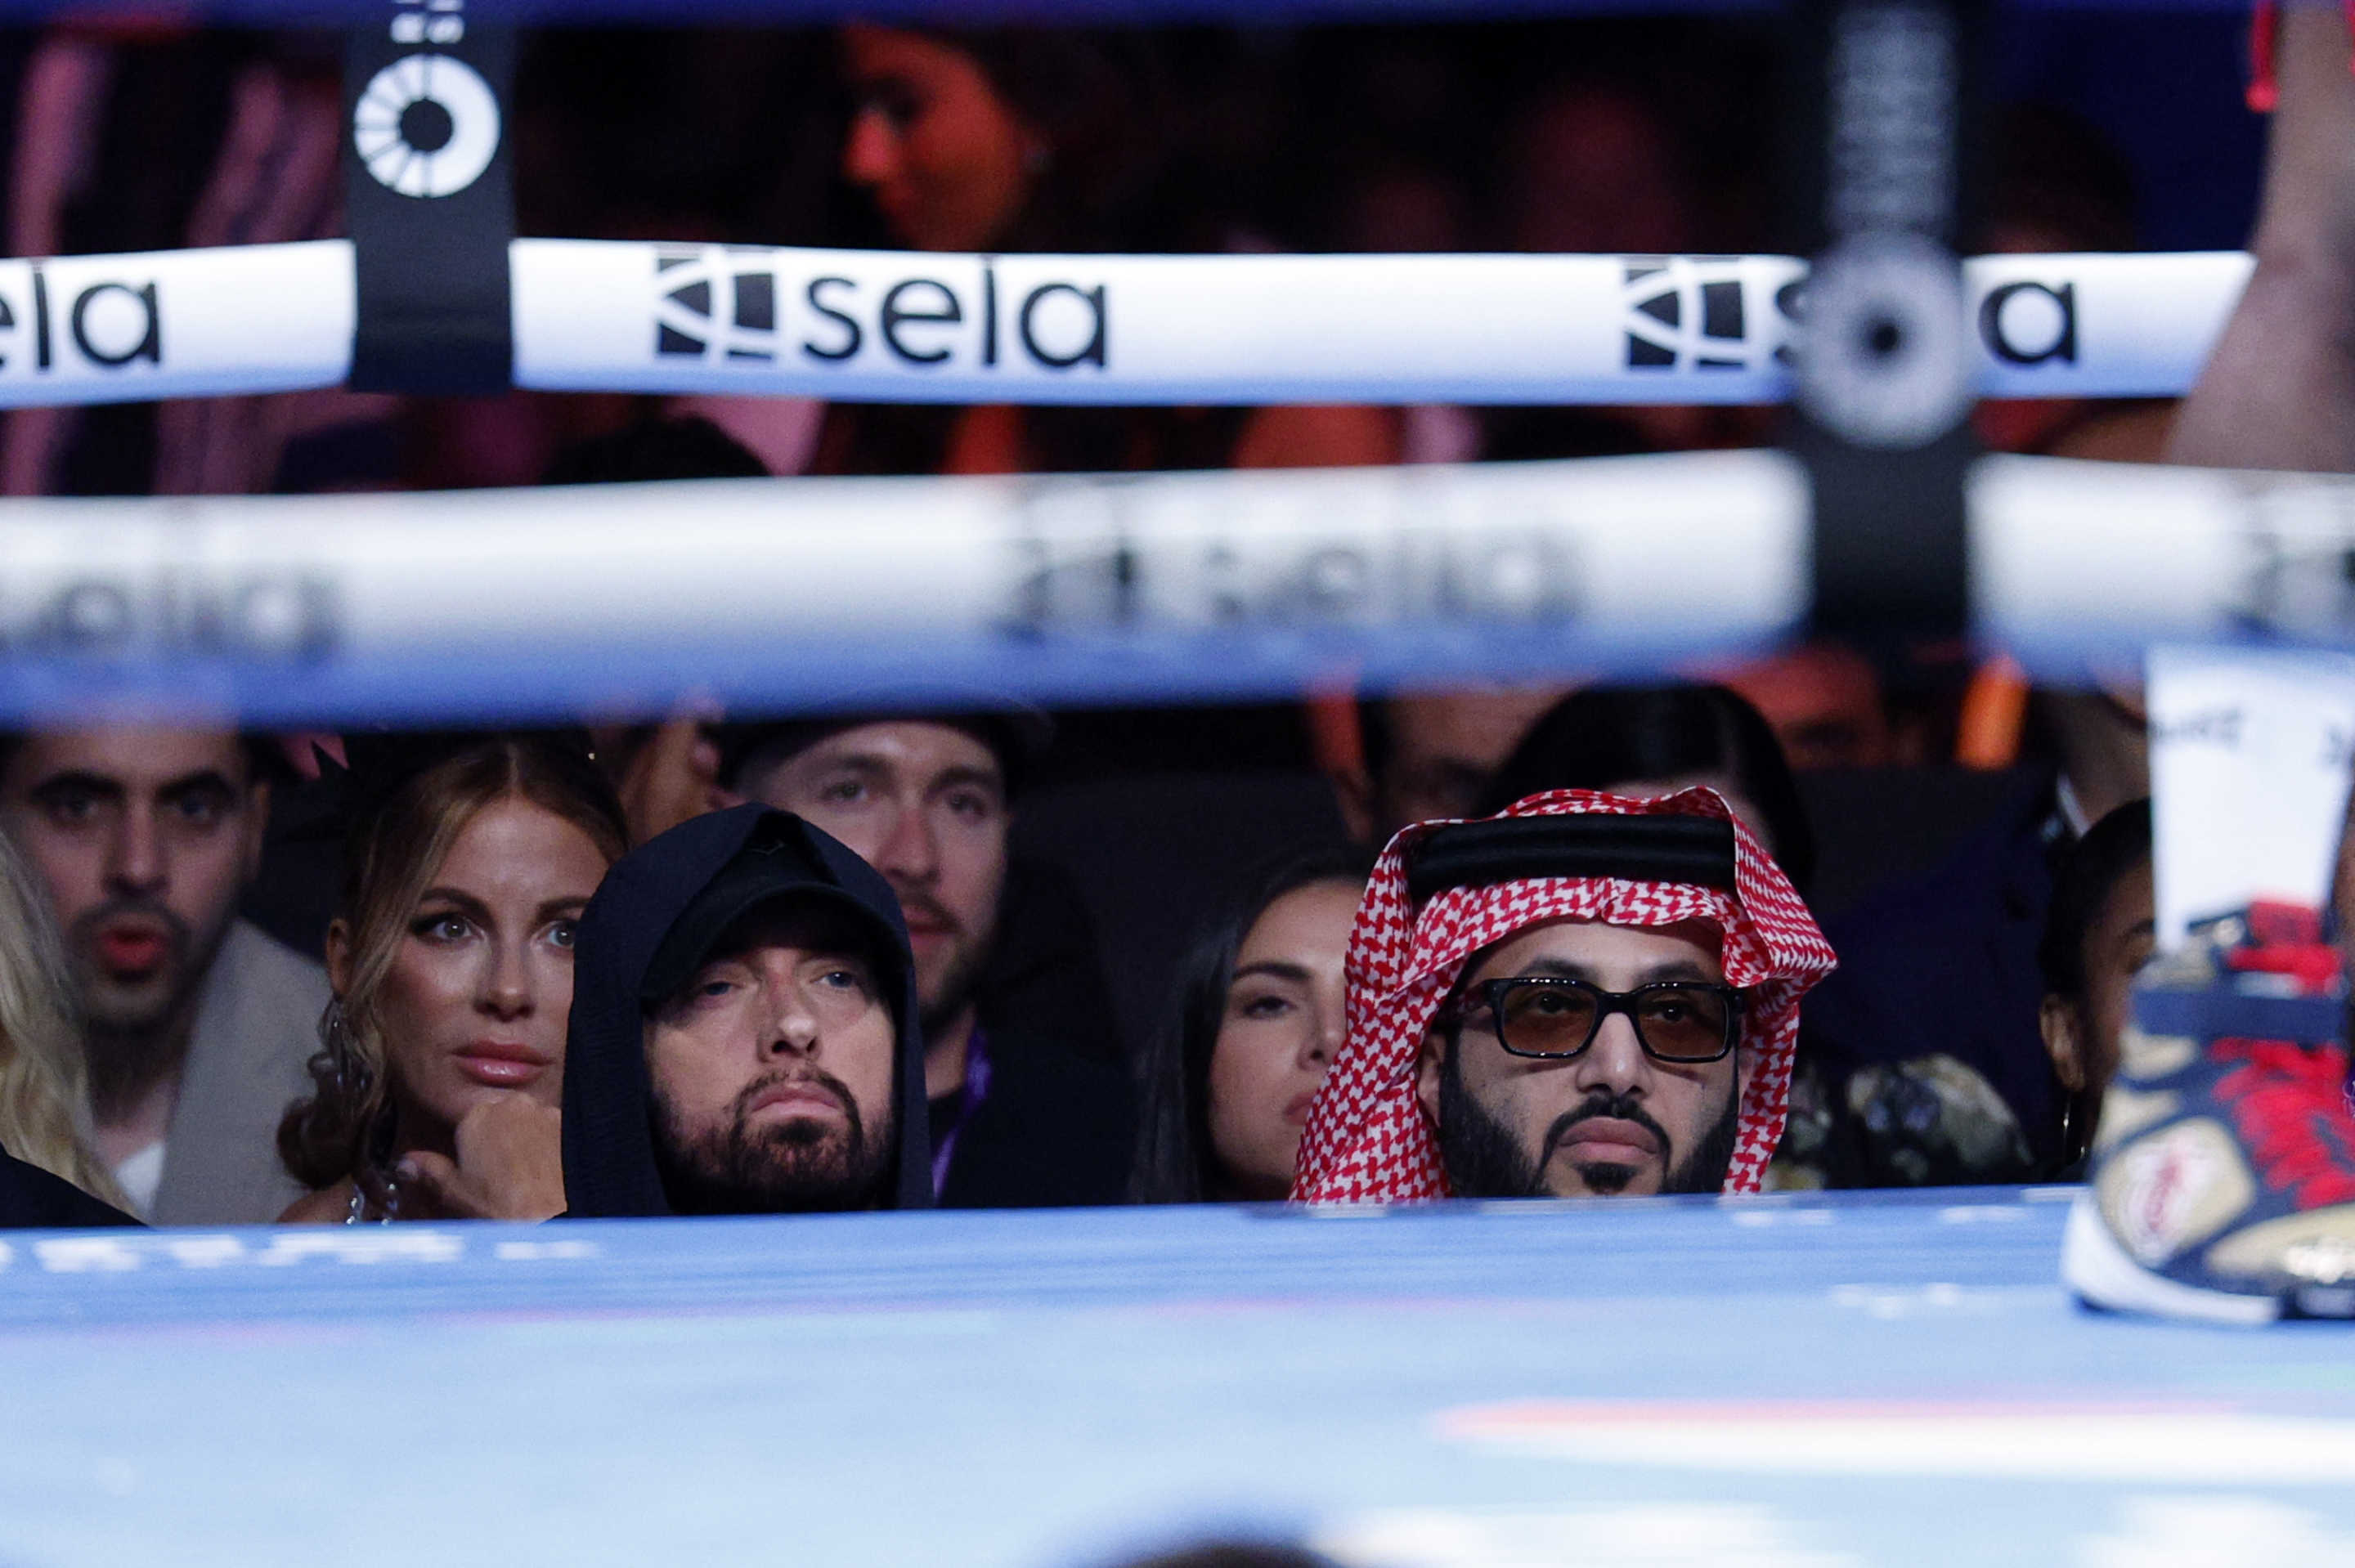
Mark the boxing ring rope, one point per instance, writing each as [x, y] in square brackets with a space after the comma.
[485, 605]
[1032, 13]
[616, 317]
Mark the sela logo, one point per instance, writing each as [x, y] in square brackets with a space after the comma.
[105, 326]
[2028, 323]
[279, 615]
[1690, 313]
[1116, 577]
[722, 305]
[711, 309]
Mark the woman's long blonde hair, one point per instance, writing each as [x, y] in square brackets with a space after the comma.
[389, 861]
[44, 1108]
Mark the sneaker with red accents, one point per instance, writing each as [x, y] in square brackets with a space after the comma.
[2223, 1180]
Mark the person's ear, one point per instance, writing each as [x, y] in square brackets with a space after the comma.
[1745, 1067]
[257, 825]
[339, 957]
[1353, 793]
[2064, 1041]
[1428, 1066]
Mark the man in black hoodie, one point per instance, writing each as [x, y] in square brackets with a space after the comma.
[744, 1034]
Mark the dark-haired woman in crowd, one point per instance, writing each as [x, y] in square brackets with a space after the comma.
[2099, 931]
[1655, 740]
[1227, 1084]
[1043, 140]
[441, 1068]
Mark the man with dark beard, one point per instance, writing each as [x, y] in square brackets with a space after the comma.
[197, 1025]
[743, 1037]
[1025, 1109]
[1601, 1058]
[1585, 995]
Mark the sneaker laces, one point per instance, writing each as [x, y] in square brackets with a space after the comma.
[2289, 1107]
[2265, 28]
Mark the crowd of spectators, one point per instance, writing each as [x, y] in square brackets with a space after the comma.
[710, 966]
[1001, 957]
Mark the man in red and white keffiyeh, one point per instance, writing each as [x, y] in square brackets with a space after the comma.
[1584, 994]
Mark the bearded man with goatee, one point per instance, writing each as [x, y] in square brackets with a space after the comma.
[744, 1035]
[1587, 995]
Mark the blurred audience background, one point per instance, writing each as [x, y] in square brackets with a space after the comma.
[1117, 890]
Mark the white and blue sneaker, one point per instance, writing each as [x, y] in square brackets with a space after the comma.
[2222, 1186]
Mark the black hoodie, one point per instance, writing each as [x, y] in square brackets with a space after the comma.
[609, 1151]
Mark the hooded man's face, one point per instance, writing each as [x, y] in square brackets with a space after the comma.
[1609, 1120]
[772, 1070]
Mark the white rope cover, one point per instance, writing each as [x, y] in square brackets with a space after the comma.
[613, 316]
[488, 604]
[807, 593]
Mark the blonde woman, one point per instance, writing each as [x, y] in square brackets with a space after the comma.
[47, 1174]
[441, 1069]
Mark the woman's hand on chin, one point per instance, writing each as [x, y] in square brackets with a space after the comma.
[510, 1165]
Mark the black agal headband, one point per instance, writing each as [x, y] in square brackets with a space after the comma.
[1694, 851]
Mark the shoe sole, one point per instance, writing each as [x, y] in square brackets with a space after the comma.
[2099, 1270]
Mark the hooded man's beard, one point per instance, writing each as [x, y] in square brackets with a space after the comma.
[1484, 1160]
[794, 1166]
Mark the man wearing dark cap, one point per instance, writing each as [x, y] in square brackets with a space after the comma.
[744, 1033]
[1022, 1112]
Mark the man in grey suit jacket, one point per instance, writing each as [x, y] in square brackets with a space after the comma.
[197, 1025]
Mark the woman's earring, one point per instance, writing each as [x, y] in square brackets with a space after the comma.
[351, 1077]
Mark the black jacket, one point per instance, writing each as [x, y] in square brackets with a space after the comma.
[1055, 1129]
[32, 1199]
[609, 1152]
[1946, 964]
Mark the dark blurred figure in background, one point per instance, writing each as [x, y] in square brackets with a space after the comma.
[1933, 1121]
[2101, 930]
[1005, 139]
[1428, 755]
[1601, 161]
[1825, 703]
[1017, 139]
[435, 1092]
[677, 446]
[1026, 1109]
[195, 1025]
[1939, 979]
[1257, 1018]
[1645, 741]
[136, 138]
[1233, 1554]
[2055, 184]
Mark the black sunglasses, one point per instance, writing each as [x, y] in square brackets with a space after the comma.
[1681, 1021]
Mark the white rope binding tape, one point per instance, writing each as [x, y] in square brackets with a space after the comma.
[483, 605]
[616, 317]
